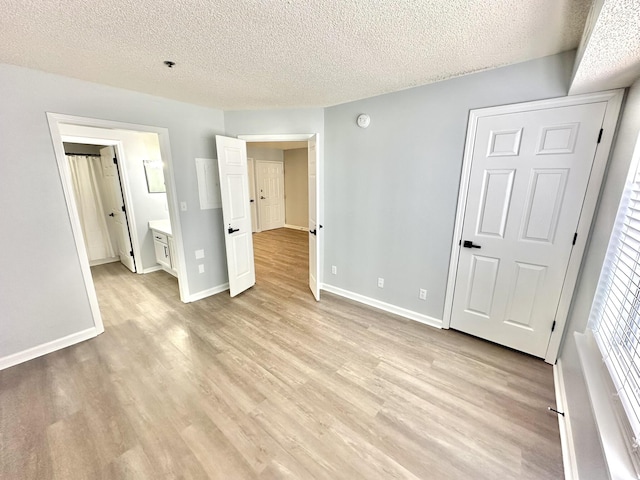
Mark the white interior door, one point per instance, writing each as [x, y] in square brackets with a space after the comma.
[251, 170]
[270, 181]
[118, 212]
[314, 215]
[236, 213]
[528, 180]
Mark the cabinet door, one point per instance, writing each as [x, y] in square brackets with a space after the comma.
[162, 254]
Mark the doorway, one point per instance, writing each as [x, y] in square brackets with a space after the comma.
[238, 207]
[99, 197]
[141, 153]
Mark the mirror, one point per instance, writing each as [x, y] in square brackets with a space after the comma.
[155, 177]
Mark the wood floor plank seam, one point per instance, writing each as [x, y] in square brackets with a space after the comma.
[273, 385]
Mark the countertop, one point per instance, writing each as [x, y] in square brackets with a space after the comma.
[162, 226]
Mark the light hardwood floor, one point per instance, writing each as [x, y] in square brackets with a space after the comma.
[273, 385]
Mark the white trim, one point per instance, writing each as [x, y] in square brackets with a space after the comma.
[155, 268]
[614, 102]
[54, 119]
[49, 347]
[387, 307]
[208, 292]
[284, 137]
[103, 261]
[295, 227]
[612, 436]
[564, 424]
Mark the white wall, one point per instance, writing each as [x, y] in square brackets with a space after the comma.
[137, 146]
[587, 447]
[296, 187]
[39, 259]
[391, 194]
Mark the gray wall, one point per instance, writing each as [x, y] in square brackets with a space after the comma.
[587, 446]
[296, 187]
[391, 189]
[49, 271]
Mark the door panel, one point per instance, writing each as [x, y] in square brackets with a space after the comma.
[117, 207]
[234, 186]
[314, 212]
[528, 180]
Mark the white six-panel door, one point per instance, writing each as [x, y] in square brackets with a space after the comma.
[528, 180]
[117, 207]
[314, 215]
[270, 192]
[236, 213]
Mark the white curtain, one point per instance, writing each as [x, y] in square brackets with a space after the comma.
[85, 172]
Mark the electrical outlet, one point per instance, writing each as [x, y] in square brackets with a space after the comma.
[334, 269]
[423, 294]
[183, 206]
[199, 254]
[380, 282]
[201, 268]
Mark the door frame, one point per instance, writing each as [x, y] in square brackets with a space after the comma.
[302, 137]
[124, 187]
[54, 120]
[614, 102]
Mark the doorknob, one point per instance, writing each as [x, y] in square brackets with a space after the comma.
[111, 214]
[469, 244]
[231, 230]
[251, 201]
[313, 231]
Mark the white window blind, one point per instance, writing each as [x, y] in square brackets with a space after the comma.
[615, 314]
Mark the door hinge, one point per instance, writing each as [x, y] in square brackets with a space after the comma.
[600, 134]
[131, 253]
[575, 237]
[115, 160]
[123, 208]
[553, 326]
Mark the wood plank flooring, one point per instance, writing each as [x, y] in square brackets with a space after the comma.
[272, 385]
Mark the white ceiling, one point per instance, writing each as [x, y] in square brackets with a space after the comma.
[239, 54]
[610, 55]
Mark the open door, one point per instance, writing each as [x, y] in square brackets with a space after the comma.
[236, 213]
[116, 205]
[314, 227]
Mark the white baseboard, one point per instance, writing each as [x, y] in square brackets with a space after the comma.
[103, 261]
[155, 268]
[387, 307]
[295, 227]
[207, 293]
[52, 346]
[564, 423]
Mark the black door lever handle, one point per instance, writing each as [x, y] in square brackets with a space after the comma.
[231, 230]
[313, 231]
[469, 244]
[111, 214]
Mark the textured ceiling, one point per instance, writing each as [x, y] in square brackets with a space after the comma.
[238, 54]
[611, 55]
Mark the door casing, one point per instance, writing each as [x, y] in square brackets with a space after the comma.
[54, 120]
[614, 102]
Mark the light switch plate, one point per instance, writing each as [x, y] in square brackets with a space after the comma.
[201, 268]
[199, 254]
